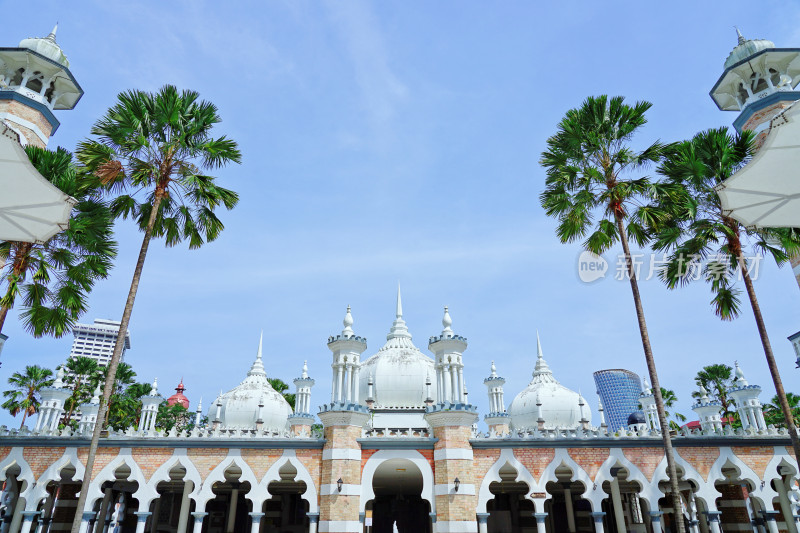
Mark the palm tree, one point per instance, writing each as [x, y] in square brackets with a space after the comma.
[282, 387]
[153, 150]
[24, 397]
[716, 379]
[692, 226]
[54, 278]
[670, 399]
[125, 406]
[83, 374]
[773, 414]
[593, 180]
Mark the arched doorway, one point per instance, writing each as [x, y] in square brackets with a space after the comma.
[510, 511]
[566, 510]
[228, 511]
[397, 485]
[625, 510]
[286, 511]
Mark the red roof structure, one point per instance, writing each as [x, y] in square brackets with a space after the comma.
[178, 397]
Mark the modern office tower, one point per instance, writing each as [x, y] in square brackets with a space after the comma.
[619, 391]
[97, 340]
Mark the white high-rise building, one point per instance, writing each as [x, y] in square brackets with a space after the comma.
[97, 340]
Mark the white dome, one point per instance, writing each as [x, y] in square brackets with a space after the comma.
[399, 371]
[560, 407]
[240, 406]
[47, 47]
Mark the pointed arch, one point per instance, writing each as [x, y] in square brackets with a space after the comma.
[234, 458]
[147, 493]
[616, 457]
[15, 457]
[273, 474]
[53, 473]
[507, 457]
[372, 464]
[123, 458]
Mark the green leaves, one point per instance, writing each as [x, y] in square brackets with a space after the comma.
[163, 146]
[24, 397]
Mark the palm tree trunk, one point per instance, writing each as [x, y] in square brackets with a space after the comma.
[20, 260]
[114, 363]
[651, 369]
[3, 313]
[773, 368]
[24, 416]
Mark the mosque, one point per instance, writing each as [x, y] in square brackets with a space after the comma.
[400, 449]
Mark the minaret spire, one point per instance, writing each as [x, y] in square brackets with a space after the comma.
[739, 35]
[52, 35]
[399, 312]
[399, 328]
[539, 353]
[258, 364]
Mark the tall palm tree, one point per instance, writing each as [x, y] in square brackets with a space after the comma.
[153, 151]
[773, 413]
[593, 181]
[82, 373]
[670, 399]
[282, 387]
[54, 278]
[24, 397]
[716, 379]
[692, 227]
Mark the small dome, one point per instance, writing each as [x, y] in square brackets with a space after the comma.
[398, 371]
[559, 407]
[240, 406]
[47, 47]
[636, 418]
[747, 48]
[178, 397]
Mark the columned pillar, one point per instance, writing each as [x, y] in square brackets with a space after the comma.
[770, 519]
[570, 510]
[616, 502]
[85, 520]
[597, 516]
[694, 526]
[102, 517]
[713, 520]
[141, 521]
[256, 526]
[655, 520]
[156, 512]
[232, 510]
[540, 525]
[483, 522]
[27, 520]
[786, 504]
[341, 460]
[198, 522]
[453, 459]
[183, 517]
[313, 518]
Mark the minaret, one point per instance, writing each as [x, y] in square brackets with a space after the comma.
[302, 419]
[708, 412]
[347, 349]
[150, 403]
[602, 414]
[447, 349]
[497, 419]
[198, 413]
[35, 80]
[89, 413]
[52, 404]
[745, 396]
[648, 401]
[759, 82]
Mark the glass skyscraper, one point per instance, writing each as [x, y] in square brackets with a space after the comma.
[619, 390]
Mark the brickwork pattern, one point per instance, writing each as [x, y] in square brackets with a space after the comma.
[702, 459]
[590, 459]
[756, 457]
[454, 506]
[261, 460]
[101, 460]
[40, 459]
[535, 459]
[732, 505]
[645, 459]
[482, 461]
[29, 114]
[312, 460]
[150, 459]
[337, 507]
[206, 459]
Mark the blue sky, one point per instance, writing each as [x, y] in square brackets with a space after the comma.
[398, 141]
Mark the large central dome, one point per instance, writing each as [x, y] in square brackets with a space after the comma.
[398, 371]
[545, 397]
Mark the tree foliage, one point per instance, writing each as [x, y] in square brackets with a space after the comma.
[24, 396]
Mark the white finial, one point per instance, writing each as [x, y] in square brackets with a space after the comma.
[200, 405]
[539, 353]
[703, 394]
[542, 372]
[154, 388]
[59, 382]
[260, 344]
[52, 35]
[258, 366]
[304, 375]
[739, 36]
[600, 405]
[447, 322]
[96, 398]
[494, 370]
[348, 322]
[399, 310]
[740, 379]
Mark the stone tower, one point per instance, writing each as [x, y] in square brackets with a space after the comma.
[35, 80]
[759, 82]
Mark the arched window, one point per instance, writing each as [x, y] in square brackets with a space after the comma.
[775, 77]
[35, 82]
[48, 94]
[757, 83]
[743, 95]
[17, 78]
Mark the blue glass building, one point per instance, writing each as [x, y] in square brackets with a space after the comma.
[619, 390]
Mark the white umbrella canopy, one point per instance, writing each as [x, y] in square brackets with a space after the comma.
[766, 192]
[31, 208]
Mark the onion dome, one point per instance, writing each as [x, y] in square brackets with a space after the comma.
[253, 400]
[746, 48]
[636, 418]
[47, 47]
[178, 397]
[398, 371]
[559, 406]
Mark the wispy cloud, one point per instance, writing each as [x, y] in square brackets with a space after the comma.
[381, 90]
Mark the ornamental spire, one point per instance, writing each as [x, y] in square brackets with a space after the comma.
[258, 365]
[399, 311]
[447, 322]
[399, 328]
[739, 35]
[348, 324]
[542, 372]
[52, 35]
